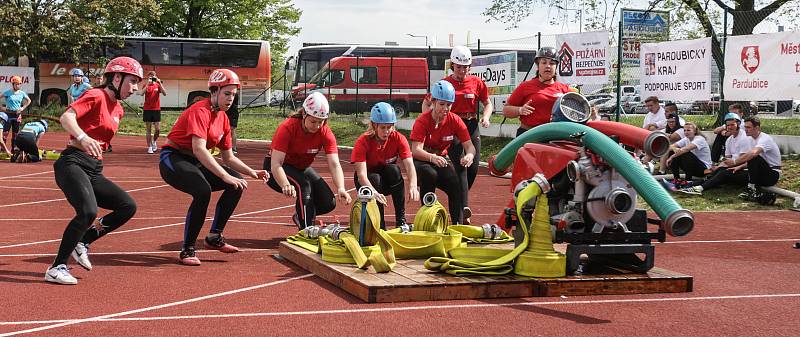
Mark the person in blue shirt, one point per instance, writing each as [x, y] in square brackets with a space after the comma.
[3, 122]
[28, 142]
[16, 102]
[80, 83]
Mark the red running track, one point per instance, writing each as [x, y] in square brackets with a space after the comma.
[745, 272]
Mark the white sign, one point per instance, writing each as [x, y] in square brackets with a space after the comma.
[763, 67]
[677, 70]
[498, 71]
[584, 58]
[25, 72]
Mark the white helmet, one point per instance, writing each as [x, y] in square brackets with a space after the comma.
[317, 105]
[461, 55]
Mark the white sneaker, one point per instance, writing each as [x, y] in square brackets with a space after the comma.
[59, 274]
[81, 255]
[154, 146]
[150, 150]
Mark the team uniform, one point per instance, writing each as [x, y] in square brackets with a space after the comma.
[735, 146]
[693, 163]
[659, 119]
[80, 177]
[14, 101]
[76, 90]
[152, 103]
[542, 97]
[437, 140]
[314, 196]
[469, 93]
[765, 169]
[183, 171]
[28, 139]
[382, 169]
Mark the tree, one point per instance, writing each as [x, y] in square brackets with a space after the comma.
[67, 28]
[270, 20]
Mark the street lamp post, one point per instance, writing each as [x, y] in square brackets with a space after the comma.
[580, 15]
[425, 36]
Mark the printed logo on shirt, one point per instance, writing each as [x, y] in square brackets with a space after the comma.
[558, 94]
[219, 139]
[312, 151]
[469, 96]
[448, 138]
[116, 120]
[391, 160]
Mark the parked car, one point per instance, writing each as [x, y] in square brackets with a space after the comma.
[598, 101]
[684, 108]
[633, 104]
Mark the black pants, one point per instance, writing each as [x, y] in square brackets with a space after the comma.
[80, 177]
[314, 196]
[388, 180]
[186, 174]
[718, 147]
[761, 174]
[26, 142]
[521, 131]
[690, 164]
[466, 175]
[724, 176]
[430, 177]
[13, 126]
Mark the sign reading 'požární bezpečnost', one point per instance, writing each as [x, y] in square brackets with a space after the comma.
[583, 58]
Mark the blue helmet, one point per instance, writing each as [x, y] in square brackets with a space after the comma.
[3, 117]
[76, 72]
[44, 122]
[383, 113]
[732, 116]
[443, 91]
[86, 80]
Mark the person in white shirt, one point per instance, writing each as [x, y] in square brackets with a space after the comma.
[763, 163]
[656, 118]
[736, 144]
[721, 132]
[692, 154]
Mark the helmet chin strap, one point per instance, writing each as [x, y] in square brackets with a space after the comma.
[115, 89]
[215, 101]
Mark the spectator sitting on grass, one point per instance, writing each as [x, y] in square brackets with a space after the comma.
[763, 163]
[721, 132]
[691, 154]
[736, 145]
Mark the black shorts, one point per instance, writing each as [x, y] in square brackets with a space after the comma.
[151, 116]
[233, 116]
[12, 124]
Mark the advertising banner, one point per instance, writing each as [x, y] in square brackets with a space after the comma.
[762, 67]
[584, 58]
[677, 70]
[498, 71]
[639, 26]
[25, 72]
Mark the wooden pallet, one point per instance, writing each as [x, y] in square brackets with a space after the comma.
[410, 281]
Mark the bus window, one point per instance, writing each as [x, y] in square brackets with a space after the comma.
[129, 48]
[525, 61]
[437, 60]
[157, 52]
[364, 75]
[240, 55]
[200, 54]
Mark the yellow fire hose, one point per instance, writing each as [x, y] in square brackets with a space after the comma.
[535, 257]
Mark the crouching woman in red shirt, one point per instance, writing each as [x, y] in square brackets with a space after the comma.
[91, 122]
[295, 144]
[376, 155]
[431, 136]
[187, 165]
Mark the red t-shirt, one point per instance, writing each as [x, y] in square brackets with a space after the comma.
[468, 93]
[438, 139]
[542, 97]
[198, 120]
[98, 115]
[300, 146]
[369, 149]
[152, 97]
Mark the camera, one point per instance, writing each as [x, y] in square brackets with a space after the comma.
[153, 79]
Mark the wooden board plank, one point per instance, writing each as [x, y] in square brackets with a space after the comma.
[410, 281]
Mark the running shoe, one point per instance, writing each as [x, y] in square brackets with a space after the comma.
[693, 190]
[217, 242]
[81, 255]
[188, 257]
[59, 274]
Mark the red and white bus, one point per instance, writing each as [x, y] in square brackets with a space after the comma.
[183, 64]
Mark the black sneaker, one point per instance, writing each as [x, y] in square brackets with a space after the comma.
[766, 198]
[748, 194]
[188, 257]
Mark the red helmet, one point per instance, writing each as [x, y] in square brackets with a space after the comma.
[16, 80]
[223, 77]
[125, 65]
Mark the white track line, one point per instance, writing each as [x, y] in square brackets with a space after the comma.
[32, 188]
[396, 309]
[731, 241]
[166, 305]
[25, 175]
[141, 253]
[62, 199]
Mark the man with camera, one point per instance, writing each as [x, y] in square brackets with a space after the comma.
[152, 92]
